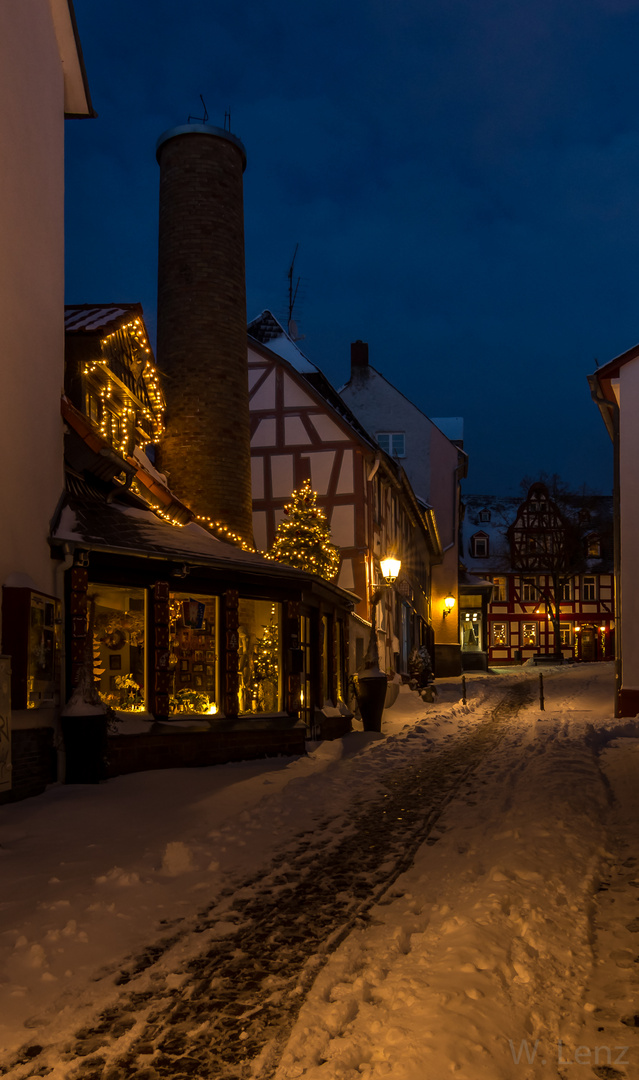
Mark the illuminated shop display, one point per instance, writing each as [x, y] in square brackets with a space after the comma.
[193, 653]
[116, 622]
[259, 656]
[30, 627]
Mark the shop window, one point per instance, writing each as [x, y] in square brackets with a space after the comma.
[528, 590]
[259, 656]
[193, 653]
[529, 634]
[117, 625]
[500, 634]
[589, 589]
[565, 635]
[479, 546]
[500, 589]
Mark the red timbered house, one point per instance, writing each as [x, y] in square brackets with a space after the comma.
[551, 571]
[301, 429]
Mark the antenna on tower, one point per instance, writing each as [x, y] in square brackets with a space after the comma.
[292, 296]
[200, 119]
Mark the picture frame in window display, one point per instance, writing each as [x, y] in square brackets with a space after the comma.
[211, 657]
[198, 656]
[198, 667]
[185, 676]
[184, 665]
[199, 681]
[210, 671]
[115, 662]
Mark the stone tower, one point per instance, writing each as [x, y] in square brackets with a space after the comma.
[201, 341]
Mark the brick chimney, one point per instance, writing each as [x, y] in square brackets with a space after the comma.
[201, 341]
[359, 358]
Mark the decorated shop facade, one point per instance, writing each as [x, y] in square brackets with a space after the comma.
[178, 624]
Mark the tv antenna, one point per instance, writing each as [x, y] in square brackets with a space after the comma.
[292, 296]
[200, 119]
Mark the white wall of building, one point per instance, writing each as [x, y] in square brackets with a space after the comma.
[629, 520]
[31, 286]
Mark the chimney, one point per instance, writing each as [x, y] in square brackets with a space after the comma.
[201, 341]
[359, 358]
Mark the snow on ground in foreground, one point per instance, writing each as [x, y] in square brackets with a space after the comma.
[479, 960]
[90, 873]
[487, 938]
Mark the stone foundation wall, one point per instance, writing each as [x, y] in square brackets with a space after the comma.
[178, 750]
[33, 761]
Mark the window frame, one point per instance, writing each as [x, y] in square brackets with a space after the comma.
[499, 644]
[588, 582]
[392, 436]
[475, 540]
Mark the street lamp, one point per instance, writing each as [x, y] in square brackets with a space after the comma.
[390, 568]
[372, 682]
[449, 604]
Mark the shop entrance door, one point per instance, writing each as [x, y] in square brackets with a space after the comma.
[588, 644]
[471, 630]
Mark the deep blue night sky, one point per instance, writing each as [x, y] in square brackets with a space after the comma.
[462, 178]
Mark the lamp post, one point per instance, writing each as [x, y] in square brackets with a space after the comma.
[372, 682]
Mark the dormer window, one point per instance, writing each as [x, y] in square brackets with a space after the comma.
[392, 442]
[593, 547]
[479, 546]
[484, 515]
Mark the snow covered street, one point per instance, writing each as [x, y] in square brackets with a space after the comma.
[458, 896]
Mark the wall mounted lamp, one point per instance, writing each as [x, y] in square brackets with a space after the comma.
[390, 568]
[449, 604]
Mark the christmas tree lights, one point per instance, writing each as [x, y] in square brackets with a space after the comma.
[303, 539]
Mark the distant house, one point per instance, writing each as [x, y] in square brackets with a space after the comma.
[615, 390]
[302, 429]
[509, 554]
[43, 80]
[431, 453]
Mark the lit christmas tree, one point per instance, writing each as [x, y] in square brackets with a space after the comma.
[303, 539]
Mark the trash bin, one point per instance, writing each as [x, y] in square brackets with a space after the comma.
[85, 745]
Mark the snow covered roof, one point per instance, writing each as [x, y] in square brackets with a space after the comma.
[268, 331]
[114, 527]
[450, 426]
[89, 318]
[491, 516]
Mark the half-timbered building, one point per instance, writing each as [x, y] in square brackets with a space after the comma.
[550, 568]
[302, 429]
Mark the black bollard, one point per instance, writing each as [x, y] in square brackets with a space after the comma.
[541, 691]
[463, 689]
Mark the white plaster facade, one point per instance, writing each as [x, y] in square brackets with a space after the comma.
[615, 389]
[41, 81]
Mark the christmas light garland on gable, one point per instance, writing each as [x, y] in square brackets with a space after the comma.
[129, 388]
[304, 540]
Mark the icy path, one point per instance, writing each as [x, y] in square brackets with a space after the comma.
[427, 902]
[510, 948]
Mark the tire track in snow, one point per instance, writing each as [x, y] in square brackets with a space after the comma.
[212, 998]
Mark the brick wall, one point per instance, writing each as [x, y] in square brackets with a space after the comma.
[33, 761]
[201, 339]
